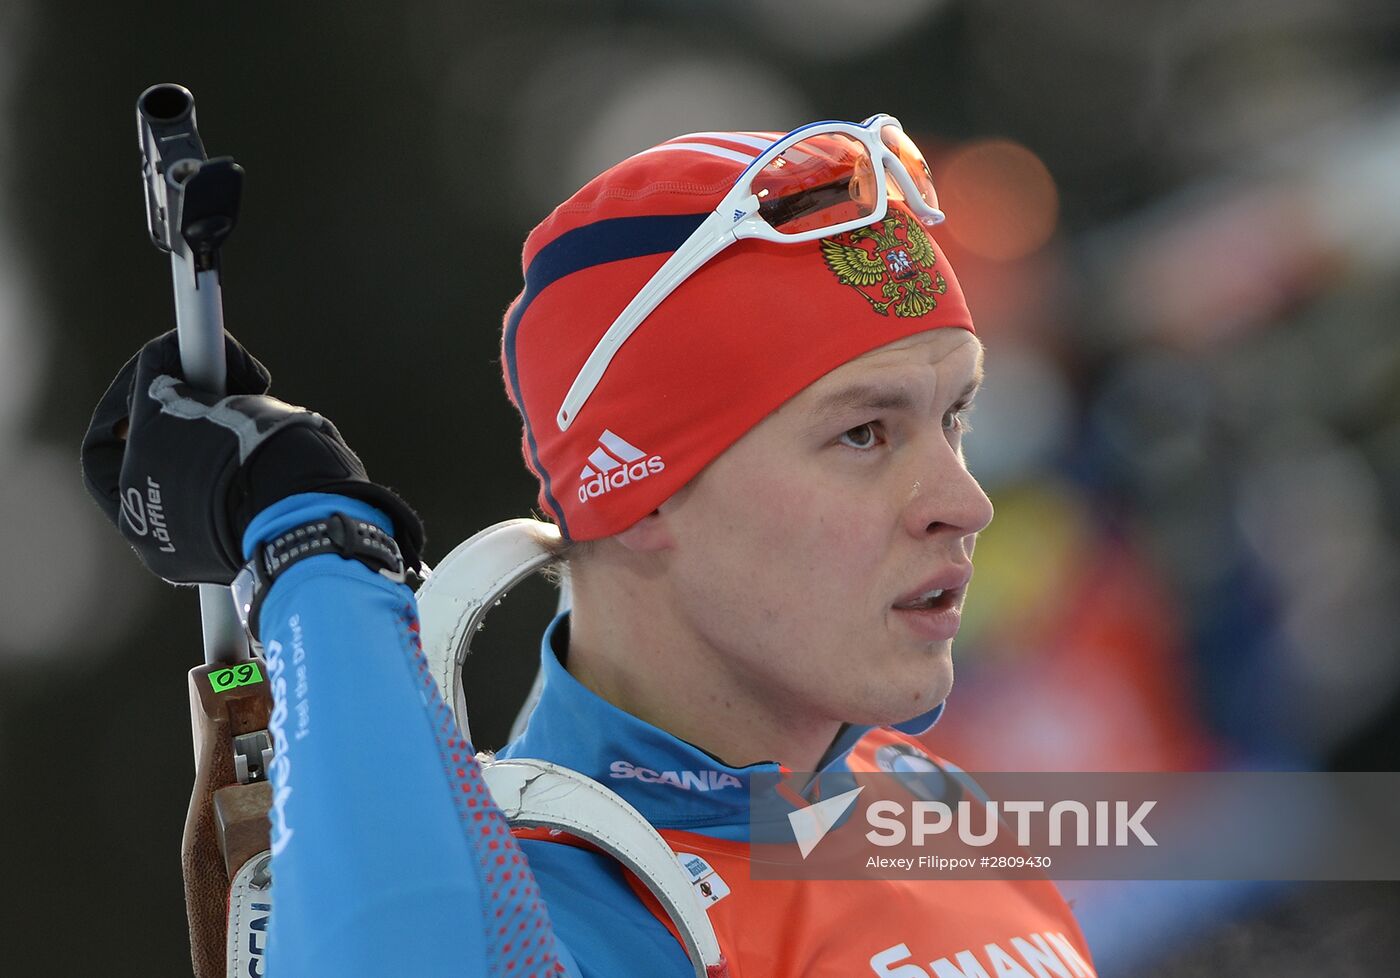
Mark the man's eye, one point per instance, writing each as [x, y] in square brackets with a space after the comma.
[861, 436]
[956, 420]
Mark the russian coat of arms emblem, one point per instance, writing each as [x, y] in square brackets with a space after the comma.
[890, 264]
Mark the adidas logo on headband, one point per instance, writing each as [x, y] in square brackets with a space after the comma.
[615, 463]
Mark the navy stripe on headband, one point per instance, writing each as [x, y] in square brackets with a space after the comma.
[614, 239]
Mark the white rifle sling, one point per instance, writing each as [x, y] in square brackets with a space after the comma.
[467, 583]
[249, 910]
[536, 794]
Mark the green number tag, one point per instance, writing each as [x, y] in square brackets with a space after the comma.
[243, 674]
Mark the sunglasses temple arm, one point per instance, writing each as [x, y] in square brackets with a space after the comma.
[912, 197]
[709, 239]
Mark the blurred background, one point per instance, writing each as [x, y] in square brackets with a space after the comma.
[1178, 225]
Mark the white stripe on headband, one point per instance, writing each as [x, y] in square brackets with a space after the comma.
[719, 151]
[757, 142]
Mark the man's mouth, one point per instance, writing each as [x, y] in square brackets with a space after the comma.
[940, 591]
[933, 611]
[935, 599]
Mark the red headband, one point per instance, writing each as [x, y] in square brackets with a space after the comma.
[746, 332]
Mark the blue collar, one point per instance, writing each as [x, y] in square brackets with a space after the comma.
[674, 784]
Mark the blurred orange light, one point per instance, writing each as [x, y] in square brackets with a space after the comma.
[1000, 199]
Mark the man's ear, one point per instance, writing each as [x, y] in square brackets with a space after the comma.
[649, 534]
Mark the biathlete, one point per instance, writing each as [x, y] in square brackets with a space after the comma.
[744, 368]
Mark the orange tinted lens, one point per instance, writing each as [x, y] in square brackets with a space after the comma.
[819, 182]
[903, 147]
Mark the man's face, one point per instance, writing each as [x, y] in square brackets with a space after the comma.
[807, 559]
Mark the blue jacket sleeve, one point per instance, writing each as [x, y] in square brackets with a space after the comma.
[389, 857]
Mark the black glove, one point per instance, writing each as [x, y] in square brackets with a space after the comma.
[182, 473]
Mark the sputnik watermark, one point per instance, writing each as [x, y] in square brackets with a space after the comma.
[892, 823]
[1112, 823]
[1206, 825]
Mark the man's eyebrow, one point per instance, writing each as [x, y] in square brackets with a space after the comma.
[884, 398]
[973, 385]
[866, 396]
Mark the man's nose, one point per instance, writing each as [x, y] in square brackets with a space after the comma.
[945, 498]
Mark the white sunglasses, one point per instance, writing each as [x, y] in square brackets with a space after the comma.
[819, 180]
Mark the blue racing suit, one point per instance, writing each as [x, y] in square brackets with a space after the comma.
[390, 857]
